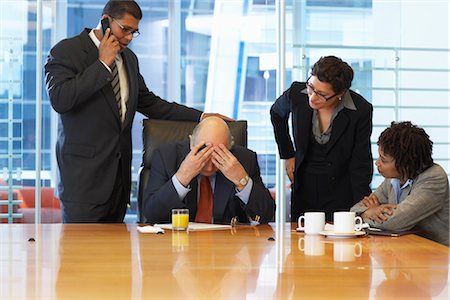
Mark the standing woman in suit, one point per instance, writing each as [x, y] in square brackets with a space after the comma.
[95, 86]
[330, 161]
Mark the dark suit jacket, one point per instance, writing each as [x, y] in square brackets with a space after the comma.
[91, 138]
[161, 196]
[349, 155]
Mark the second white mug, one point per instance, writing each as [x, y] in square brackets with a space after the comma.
[312, 222]
[346, 222]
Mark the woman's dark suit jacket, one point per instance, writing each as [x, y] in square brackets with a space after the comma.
[348, 156]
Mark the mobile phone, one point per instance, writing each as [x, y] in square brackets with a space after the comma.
[105, 24]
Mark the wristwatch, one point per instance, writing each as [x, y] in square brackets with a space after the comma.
[244, 180]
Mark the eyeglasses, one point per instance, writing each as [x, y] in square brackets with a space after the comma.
[127, 31]
[311, 90]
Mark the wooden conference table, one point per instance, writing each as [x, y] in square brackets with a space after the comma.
[115, 261]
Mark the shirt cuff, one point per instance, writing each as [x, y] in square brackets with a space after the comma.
[181, 190]
[106, 66]
[244, 195]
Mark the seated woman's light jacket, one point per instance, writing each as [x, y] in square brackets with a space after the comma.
[422, 206]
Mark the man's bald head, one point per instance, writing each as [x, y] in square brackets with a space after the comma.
[212, 130]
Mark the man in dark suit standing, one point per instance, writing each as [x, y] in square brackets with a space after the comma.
[179, 170]
[94, 83]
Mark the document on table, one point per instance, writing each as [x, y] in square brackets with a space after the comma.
[197, 226]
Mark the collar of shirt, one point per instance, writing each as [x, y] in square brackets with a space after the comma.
[397, 188]
[348, 101]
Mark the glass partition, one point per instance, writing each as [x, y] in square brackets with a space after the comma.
[220, 56]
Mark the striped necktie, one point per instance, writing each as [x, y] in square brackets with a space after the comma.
[116, 88]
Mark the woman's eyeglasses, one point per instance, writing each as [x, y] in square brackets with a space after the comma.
[319, 95]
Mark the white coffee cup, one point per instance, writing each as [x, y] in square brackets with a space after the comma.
[313, 222]
[346, 251]
[346, 222]
[312, 245]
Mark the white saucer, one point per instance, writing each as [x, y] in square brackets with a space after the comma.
[342, 235]
[298, 229]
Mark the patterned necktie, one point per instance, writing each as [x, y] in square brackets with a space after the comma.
[116, 88]
[205, 202]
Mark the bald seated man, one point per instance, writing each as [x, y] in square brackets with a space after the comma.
[233, 171]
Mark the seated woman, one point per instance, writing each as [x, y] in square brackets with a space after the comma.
[415, 192]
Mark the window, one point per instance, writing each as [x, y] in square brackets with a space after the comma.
[225, 62]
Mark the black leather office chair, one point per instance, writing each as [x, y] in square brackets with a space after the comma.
[158, 132]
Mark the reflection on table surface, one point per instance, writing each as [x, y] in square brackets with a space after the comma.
[98, 261]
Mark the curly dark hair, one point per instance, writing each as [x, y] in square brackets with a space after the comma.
[117, 8]
[335, 71]
[409, 145]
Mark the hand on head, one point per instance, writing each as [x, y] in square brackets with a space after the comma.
[194, 162]
[216, 156]
[228, 164]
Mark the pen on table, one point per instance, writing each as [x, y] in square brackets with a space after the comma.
[374, 229]
[367, 226]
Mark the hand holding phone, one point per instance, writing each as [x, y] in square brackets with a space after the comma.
[105, 25]
[109, 46]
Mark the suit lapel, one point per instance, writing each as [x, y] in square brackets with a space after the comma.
[89, 47]
[304, 129]
[305, 124]
[222, 190]
[111, 100]
[191, 199]
[131, 77]
[339, 126]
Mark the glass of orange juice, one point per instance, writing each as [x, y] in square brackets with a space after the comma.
[180, 218]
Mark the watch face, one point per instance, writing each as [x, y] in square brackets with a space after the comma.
[244, 180]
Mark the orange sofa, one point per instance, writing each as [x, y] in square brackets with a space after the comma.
[50, 207]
